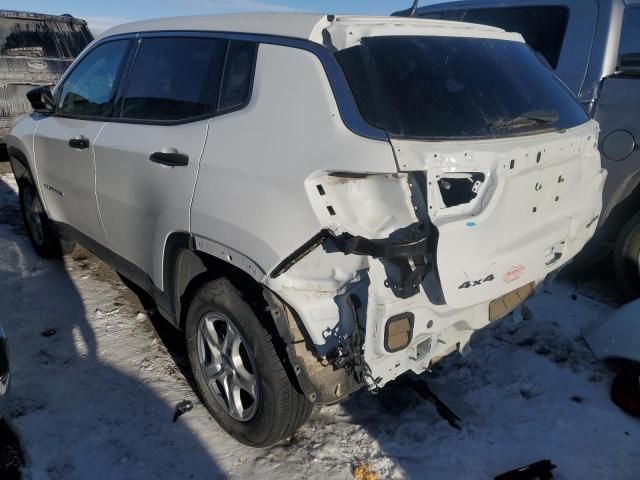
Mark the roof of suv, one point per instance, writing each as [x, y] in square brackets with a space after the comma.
[309, 26]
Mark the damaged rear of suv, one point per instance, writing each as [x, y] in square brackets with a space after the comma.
[341, 200]
[485, 181]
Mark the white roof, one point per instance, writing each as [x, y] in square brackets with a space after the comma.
[344, 30]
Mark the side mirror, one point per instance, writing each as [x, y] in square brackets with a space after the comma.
[41, 100]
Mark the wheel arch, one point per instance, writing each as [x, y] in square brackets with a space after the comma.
[187, 269]
[20, 165]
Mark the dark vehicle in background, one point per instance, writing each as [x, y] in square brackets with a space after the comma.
[594, 47]
[5, 368]
[35, 50]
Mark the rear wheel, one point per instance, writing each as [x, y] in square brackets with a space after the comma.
[239, 370]
[45, 241]
[627, 258]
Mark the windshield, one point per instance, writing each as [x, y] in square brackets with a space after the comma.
[453, 87]
[42, 37]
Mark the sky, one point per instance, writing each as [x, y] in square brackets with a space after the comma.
[104, 14]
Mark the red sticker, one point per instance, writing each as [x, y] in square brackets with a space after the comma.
[514, 274]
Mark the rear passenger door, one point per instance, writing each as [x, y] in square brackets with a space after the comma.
[147, 158]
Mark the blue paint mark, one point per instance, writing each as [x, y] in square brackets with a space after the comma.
[472, 224]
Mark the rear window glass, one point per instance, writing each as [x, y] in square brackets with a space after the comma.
[630, 39]
[543, 28]
[451, 87]
[174, 79]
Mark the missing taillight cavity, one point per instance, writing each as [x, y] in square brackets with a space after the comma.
[398, 332]
[460, 188]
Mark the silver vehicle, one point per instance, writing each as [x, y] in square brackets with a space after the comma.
[320, 202]
[35, 49]
[594, 47]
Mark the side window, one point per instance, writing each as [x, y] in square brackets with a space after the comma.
[543, 28]
[238, 75]
[630, 39]
[90, 88]
[174, 79]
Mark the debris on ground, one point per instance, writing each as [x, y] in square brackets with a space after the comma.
[362, 471]
[541, 470]
[182, 408]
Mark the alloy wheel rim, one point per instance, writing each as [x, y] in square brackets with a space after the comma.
[228, 365]
[33, 215]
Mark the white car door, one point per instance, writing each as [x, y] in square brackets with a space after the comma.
[147, 160]
[63, 142]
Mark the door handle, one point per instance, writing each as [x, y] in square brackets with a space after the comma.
[170, 157]
[79, 143]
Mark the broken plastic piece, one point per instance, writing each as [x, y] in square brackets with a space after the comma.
[415, 244]
[539, 470]
[182, 408]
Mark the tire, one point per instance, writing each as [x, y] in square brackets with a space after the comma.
[272, 407]
[627, 258]
[44, 239]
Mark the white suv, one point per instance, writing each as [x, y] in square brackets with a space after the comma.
[319, 202]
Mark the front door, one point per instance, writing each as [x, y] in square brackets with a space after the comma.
[63, 142]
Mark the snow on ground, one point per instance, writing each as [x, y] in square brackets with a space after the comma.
[96, 399]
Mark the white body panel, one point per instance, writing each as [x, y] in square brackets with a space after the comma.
[251, 194]
[142, 202]
[537, 207]
[498, 235]
[67, 175]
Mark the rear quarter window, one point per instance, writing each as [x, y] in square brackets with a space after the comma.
[543, 28]
[238, 76]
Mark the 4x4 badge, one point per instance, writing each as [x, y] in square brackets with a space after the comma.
[475, 283]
